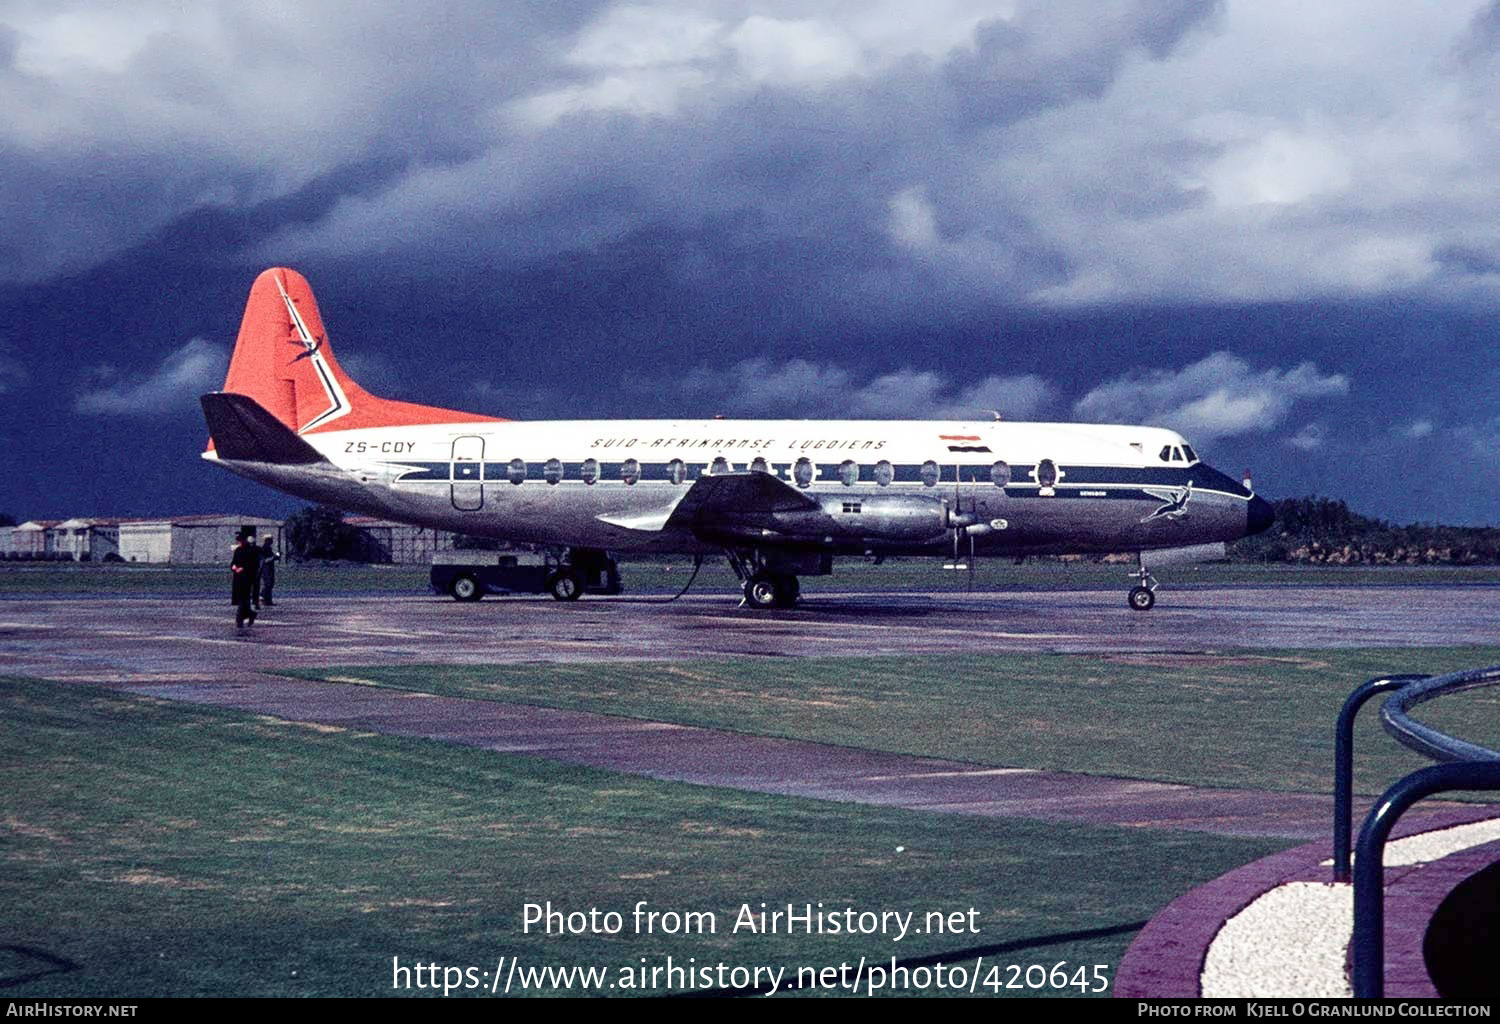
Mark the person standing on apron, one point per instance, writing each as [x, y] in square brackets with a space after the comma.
[268, 560]
[244, 568]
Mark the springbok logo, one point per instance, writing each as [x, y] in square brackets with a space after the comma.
[1174, 502]
[338, 403]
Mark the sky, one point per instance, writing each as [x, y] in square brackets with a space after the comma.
[1271, 225]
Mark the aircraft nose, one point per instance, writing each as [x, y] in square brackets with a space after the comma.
[1258, 516]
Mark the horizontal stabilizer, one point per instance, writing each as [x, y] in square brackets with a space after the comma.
[244, 431]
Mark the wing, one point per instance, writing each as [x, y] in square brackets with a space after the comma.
[716, 501]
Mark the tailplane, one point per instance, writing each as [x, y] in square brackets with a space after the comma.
[282, 360]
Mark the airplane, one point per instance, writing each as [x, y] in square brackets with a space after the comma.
[780, 498]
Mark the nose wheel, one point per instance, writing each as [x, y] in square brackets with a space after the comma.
[1143, 595]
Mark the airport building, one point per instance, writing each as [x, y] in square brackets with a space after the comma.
[85, 540]
[190, 540]
[200, 539]
[30, 539]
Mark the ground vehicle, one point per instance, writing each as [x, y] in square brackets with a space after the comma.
[468, 575]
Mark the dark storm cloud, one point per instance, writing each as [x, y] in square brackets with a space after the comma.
[112, 123]
[772, 207]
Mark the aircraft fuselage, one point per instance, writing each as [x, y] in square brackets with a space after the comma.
[879, 486]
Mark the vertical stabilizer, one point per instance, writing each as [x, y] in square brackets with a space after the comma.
[283, 361]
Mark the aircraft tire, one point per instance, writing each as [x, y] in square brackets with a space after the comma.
[761, 591]
[1142, 599]
[565, 585]
[466, 588]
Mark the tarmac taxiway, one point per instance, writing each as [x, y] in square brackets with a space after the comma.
[187, 649]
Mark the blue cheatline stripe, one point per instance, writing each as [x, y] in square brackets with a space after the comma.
[1100, 482]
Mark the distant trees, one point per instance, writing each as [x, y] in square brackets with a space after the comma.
[1318, 530]
[320, 532]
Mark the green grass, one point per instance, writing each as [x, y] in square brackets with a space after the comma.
[1257, 720]
[667, 575]
[150, 848]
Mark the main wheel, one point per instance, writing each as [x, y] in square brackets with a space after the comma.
[565, 585]
[761, 591]
[1142, 599]
[466, 588]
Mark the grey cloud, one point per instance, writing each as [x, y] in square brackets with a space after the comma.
[1217, 396]
[1049, 53]
[798, 387]
[197, 367]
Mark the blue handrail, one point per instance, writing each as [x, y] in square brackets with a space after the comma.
[1470, 767]
[1343, 766]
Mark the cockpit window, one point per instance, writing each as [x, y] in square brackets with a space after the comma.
[1166, 453]
[1177, 455]
[1187, 450]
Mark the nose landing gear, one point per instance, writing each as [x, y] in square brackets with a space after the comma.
[1143, 595]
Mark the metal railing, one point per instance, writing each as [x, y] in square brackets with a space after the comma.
[1469, 767]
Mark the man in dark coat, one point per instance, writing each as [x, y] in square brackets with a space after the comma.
[245, 574]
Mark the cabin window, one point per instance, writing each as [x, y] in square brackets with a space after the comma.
[720, 465]
[677, 471]
[803, 472]
[758, 465]
[930, 473]
[884, 474]
[1046, 473]
[516, 471]
[552, 472]
[849, 472]
[1000, 473]
[589, 473]
[630, 470]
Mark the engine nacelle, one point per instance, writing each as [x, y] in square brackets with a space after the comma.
[899, 518]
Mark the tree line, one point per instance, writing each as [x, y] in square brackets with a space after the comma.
[1324, 531]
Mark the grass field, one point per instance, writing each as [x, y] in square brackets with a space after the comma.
[1259, 720]
[157, 849]
[657, 576]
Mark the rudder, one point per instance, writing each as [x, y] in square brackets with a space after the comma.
[283, 361]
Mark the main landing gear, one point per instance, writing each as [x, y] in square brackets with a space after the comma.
[1143, 594]
[770, 580]
[772, 590]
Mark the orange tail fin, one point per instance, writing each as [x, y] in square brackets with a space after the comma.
[282, 359]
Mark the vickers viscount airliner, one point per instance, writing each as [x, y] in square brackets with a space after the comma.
[780, 498]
